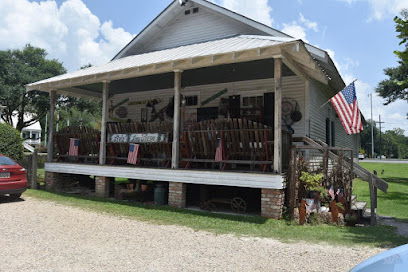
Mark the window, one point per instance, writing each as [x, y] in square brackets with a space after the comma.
[6, 161]
[252, 101]
[195, 10]
[332, 134]
[191, 100]
[328, 131]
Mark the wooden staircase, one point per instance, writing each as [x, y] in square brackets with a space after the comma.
[374, 181]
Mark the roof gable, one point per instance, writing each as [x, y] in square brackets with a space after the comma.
[173, 27]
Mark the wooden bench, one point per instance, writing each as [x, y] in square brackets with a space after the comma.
[88, 149]
[151, 153]
[244, 142]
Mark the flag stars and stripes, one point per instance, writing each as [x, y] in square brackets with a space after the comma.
[73, 147]
[346, 106]
[133, 153]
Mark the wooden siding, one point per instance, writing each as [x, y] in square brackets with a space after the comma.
[319, 94]
[265, 181]
[293, 87]
[206, 25]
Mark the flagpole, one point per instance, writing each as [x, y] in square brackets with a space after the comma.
[333, 96]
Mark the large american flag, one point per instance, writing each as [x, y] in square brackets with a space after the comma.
[345, 103]
[133, 153]
[73, 147]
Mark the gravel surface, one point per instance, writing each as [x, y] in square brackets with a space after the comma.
[43, 236]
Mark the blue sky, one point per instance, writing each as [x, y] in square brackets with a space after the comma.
[358, 34]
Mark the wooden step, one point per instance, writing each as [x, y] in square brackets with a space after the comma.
[359, 206]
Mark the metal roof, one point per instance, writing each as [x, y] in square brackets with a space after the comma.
[211, 48]
[235, 49]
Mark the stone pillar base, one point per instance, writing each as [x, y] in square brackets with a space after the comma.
[177, 194]
[102, 186]
[57, 182]
[272, 203]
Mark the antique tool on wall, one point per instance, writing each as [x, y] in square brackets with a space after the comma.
[215, 96]
[290, 112]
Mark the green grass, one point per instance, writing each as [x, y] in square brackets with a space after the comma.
[395, 201]
[255, 226]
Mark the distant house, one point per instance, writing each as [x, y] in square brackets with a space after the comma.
[32, 134]
[204, 89]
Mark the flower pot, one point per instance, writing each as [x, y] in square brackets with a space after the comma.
[145, 187]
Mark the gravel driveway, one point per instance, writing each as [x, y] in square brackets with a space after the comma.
[43, 236]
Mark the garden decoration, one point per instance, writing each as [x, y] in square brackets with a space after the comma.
[302, 212]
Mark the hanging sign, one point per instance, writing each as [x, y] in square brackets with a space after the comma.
[138, 138]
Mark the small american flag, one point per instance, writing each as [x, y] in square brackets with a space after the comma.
[133, 154]
[331, 192]
[345, 103]
[73, 147]
[219, 152]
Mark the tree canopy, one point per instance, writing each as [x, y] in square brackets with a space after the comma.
[392, 143]
[396, 86]
[18, 68]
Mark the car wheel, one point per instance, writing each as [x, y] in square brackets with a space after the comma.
[15, 196]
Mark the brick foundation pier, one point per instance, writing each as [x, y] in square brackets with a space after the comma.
[272, 201]
[177, 194]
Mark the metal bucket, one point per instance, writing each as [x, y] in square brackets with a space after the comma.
[160, 195]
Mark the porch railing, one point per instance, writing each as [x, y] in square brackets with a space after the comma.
[242, 142]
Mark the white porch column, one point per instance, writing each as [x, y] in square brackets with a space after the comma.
[176, 120]
[102, 146]
[50, 147]
[277, 155]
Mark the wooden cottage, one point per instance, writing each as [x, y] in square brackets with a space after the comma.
[213, 100]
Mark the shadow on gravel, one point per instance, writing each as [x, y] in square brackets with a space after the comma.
[8, 199]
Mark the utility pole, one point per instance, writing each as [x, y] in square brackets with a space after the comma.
[380, 133]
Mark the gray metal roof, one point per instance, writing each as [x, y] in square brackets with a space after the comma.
[168, 60]
[234, 44]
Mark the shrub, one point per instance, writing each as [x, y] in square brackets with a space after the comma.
[10, 142]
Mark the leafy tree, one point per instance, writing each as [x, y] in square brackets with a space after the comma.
[396, 86]
[21, 67]
[10, 142]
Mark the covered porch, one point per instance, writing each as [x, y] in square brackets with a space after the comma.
[251, 138]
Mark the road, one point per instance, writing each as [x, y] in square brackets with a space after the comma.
[385, 161]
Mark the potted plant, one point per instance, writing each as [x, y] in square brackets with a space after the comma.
[351, 219]
[311, 184]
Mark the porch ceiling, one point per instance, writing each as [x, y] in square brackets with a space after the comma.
[235, 72]
[155, 70]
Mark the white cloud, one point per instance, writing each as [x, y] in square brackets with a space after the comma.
[295, 30]
[381, 9]
[307, 23]
[298, 29]
[70, 33]
[258, 10]
[385, 8]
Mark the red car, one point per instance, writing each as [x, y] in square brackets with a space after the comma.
[13, 179]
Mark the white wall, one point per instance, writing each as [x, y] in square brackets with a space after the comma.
[319, 94]
[293, 87]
